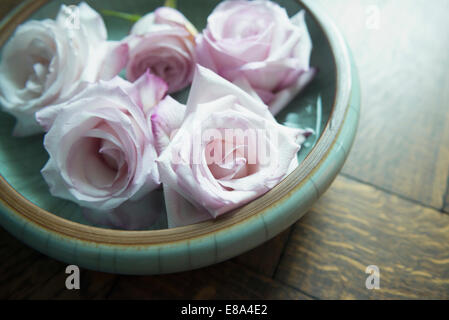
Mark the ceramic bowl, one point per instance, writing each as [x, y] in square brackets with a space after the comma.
[329, 105]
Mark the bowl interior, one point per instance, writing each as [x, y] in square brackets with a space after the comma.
[21, 159]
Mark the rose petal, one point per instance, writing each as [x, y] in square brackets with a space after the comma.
[142, 214]
[168, 53]
[180, 212]
[115, 60]
[284, 97]
[90, 21]
[218, 87]
[143, 25]
[304, 48]
[167, 117]
[148, 91]
[244, 84]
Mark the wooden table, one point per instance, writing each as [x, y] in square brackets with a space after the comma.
[388, 207]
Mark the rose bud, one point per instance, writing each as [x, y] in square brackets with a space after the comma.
[163, 42]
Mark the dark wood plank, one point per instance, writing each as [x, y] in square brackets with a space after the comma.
[27, 274]
[22, 270]
[265, 258]
[403, 138]
[333, 244]
[223, 281]
[93, 286]
[24, 273]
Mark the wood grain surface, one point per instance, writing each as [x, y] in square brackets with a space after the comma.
[402, 144]
[265, 258]
[224, 281]
[386, 209]
[330, 249]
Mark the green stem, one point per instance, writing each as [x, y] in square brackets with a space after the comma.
[121, 15]
[170, 3]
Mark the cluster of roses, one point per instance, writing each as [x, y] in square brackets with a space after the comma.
[113, 141]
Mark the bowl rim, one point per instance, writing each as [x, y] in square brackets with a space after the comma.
[31, 214]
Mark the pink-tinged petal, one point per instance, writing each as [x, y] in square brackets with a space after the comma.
[266, 96]
[243, 83]
[303, 50]
[203, 55]
[269, 76]
[241, 19]
[142, 214]
[117, 82]
[170, 16]
[284, 49]
[161, 19]
[83, 161]
[181, 212]
[166, 118]
[166, 53]
[243, 49]
[114, 87]
[115, 60]
[174, 18]
[210, 54]
[46, 116]
[218, 87]
[55, 181]
[284, 97]
[148, 91]
[147, 173]
[143, 25]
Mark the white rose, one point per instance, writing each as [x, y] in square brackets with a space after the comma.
[47, 62]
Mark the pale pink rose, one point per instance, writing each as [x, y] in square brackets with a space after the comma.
[255, 45]
[47, 62]
[207, 172]
[100, 143]
[163, 42]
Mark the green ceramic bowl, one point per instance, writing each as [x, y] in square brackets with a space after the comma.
[329, 105]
